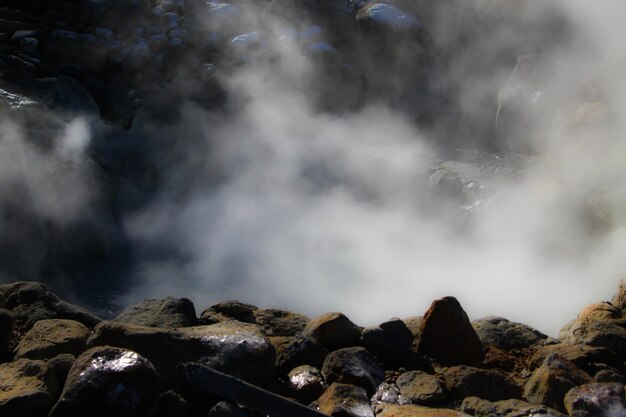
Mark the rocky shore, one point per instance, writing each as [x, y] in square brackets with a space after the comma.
[160, 358]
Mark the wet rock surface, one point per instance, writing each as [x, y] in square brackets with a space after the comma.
[354, 366]
[345, 400]
[333, 330]
[108, 381]
[49, 338]
[596, 399]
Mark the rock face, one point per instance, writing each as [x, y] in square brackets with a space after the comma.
[107, 381]
[552, 380]
[345, 400]
[353, 366]
[333, 330]
[444, 328]
[168, 312]
[27, 388]
[49, 338]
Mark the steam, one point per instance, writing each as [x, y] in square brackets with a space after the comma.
[279, 201]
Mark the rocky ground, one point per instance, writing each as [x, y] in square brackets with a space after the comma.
[159, 358]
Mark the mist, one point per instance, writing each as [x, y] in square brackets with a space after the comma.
[310, 192]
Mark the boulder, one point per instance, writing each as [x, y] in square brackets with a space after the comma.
[277, 322]
[506, 334]
[479, 407]
[7, 321]
[447, 335]
[420, 388]
[28, 388]
[333, 330]
[552, 380]
[172, 404]
[387, 393]
[295, 351]
[239, 349]
[465, 381]
[596, 399]
[389, 341]
[168, 312]
[31, 302]
[61, 365]
[588, 358]
[66, 47]
[106, 381]
[228, 310]
[379, 17]
[49, 338]
[66, 96]
[353, 366]
[393, 410]
[345, 400]
[619, 299]
[305, 384]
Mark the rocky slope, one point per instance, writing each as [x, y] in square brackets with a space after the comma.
[159, 358]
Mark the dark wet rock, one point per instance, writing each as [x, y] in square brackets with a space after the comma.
[172, 404]
[28, 388]
[596, 399]
[587, 358]
[65, 47]
[7, 321]
[393, 410]
[552, 380]
[61, 365]
[333, 330]
[387, 393]
[49, 338]
[511, 408]
[345, 400]
[226, 409]
[168, 312]
[420, 388]
[277, 322]
[295, 351]
[305, 384]
[506, 334]
[354, 366]
[608, 374]
[444, 329]
[66, 95]
[31, 302]
[107, 381]
[389, 341]
[466, 381]
[2, 304]
[239, 349]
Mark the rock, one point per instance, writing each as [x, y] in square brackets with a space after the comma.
[390, 341]
[344, 400]
[107, 381]
[61, 365]
[333, 330]
[226, 409]
[387, 393]
[66, 95]
[228, 310]
[585, 357]
[7, 321]
[596, 399]
[276, 322]
[2, 303]
[27, 388]
[49, 338]
[385, 17]
[608, 374]
[305, 384]
[413, 324]
[420, 388]
[465, 381]
[552, 380]
[239, 349]
[619, 300]
[172, 404]
[353, 366]
[31, 302]
[392, 410]
[506, 334]
[444, 329]
[65, 47]
[479, 407]
[330, 12]
[295, 351]
[169, 312]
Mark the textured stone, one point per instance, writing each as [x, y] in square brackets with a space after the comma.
[106, 381]
[552, 380]
[465, 381]
[506, 334]
[28, 388]
[596, 399]
[587, 358]
[169, 312]
[49, 338]
[353, 366]
[389, 341]
[333, 330]
[305, 384]
[447, 335]
[421, 388]
[295, 351]
[393, 410]
[345, 400]
[7, 321]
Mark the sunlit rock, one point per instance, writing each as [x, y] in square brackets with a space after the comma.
[353, 366]
[333, 330]
[345, 400]
[27, 388]
[49, 338]
[420, 388]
